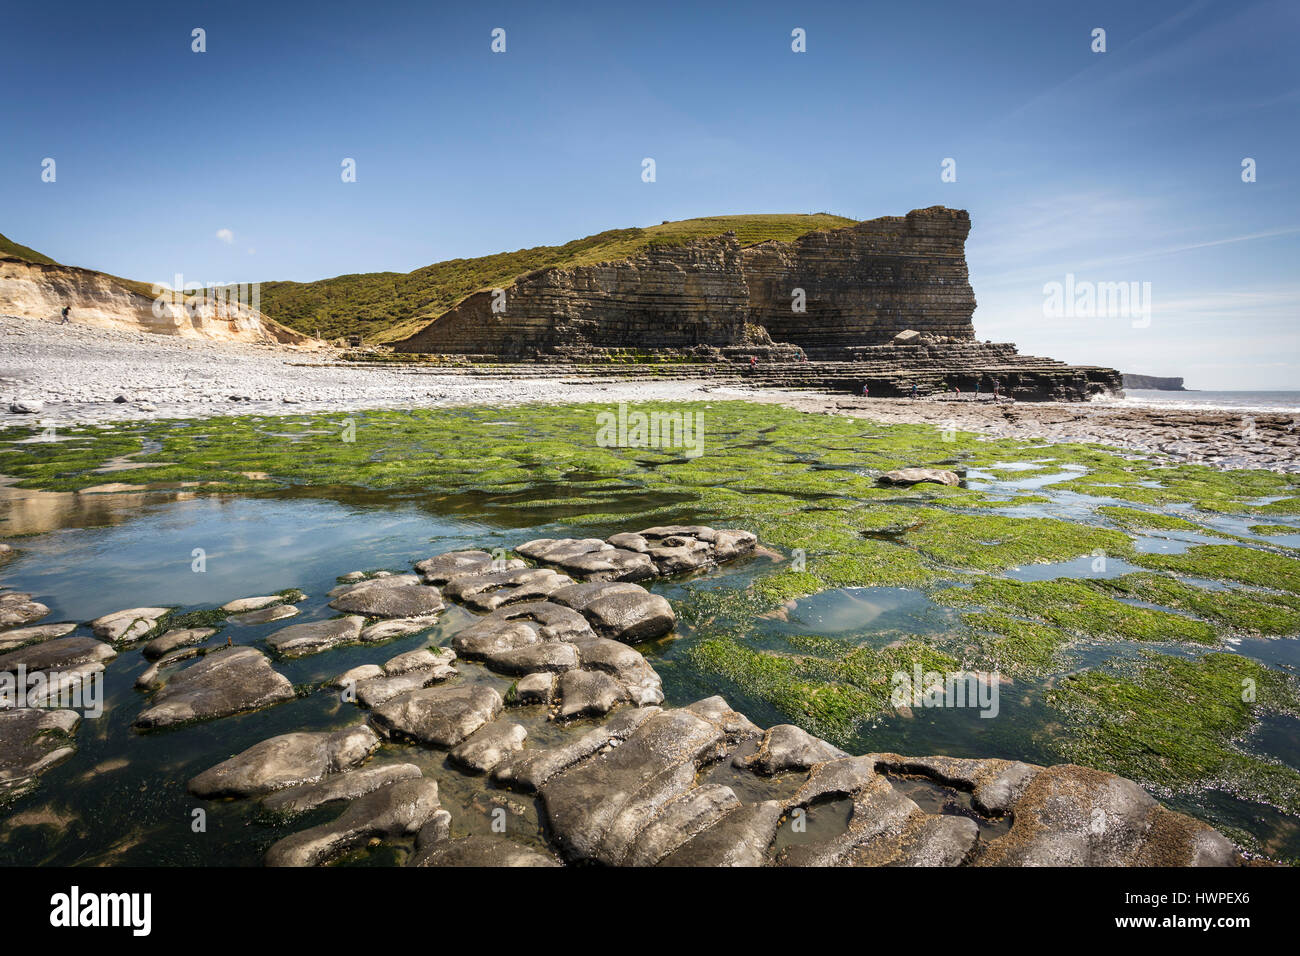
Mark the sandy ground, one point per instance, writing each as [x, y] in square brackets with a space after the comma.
[77, 373]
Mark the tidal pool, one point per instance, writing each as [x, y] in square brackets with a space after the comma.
[852, 585]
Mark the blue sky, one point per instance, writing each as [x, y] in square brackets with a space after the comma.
[1123, 166]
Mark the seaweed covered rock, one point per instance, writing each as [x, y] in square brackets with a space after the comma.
[122, 627]
[31, 742]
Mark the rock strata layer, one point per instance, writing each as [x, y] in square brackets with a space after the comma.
[888, 299]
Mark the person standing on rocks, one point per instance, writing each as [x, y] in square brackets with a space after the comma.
[996, 386]
[866, 390]
[67, 316]
[914, 390]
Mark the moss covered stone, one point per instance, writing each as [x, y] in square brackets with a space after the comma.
[1177, 723]
[1077, 607]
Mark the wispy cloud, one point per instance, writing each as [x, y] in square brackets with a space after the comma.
[226, 236]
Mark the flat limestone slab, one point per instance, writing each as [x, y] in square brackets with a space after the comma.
[916, 476]
[31, 742]
[299, 640]
[390, 812]
[58, 654]
[480, 851]
[17, 608]
[412, 600]
[440, 716]
[180, 637]
[20, 636]
[338, 786]
[444, 567]
[597, 808]
[224, 683]
[620, 611]
[241, 605]
[122, 627]
[276, 612]
[288, 760]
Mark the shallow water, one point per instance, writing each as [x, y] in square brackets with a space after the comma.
[121, 798]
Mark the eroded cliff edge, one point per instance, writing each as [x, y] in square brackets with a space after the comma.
[824, 292]
[885, 303]
[40, 290]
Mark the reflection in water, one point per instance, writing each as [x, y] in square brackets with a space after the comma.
[121, 798]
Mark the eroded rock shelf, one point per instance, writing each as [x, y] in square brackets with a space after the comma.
[886, 303]
[579, 747]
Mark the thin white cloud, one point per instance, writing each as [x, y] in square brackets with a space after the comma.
[226, 236]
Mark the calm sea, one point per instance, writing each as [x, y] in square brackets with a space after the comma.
[1286, 402]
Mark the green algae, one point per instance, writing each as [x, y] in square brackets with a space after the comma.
[1236, 611]
[1011, 645]
[1225, 562]
[1272, 529]
[1176, 724]
[829, 691]
[1135, 519]
[1205, 488]
[1016, 502]
[806, 484]
[1079, 608]
[997, 542]
[1284, 506]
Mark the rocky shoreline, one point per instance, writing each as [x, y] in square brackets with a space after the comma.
[78, 375]
[1220, 439]
[616, 778]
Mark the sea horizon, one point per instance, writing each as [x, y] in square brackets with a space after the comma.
[1263, 400]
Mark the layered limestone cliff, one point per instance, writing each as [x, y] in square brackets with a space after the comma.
[865, 284]
[1158, 382]
[41, 290]
[668, 297]
[885, 303]
[823, 292]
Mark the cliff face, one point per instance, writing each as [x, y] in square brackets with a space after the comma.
[1159, 382]
[668, 297]
[861, 285]
[865, 284]
[41, 290]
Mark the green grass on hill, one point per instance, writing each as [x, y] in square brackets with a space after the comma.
[386, 306]
[10, 248]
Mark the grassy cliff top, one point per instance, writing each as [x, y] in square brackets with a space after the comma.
[10, 248]
[386, 306]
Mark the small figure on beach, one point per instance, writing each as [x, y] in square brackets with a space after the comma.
[996, 386]
[866, 390]
[914, 390]
[958, 388]
[977, 390]
[67, 313]
[753, 361]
